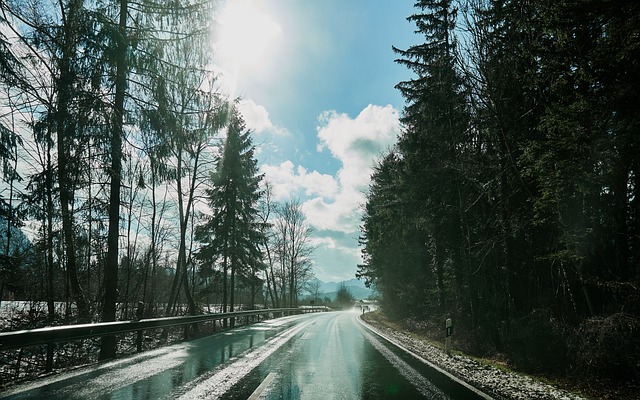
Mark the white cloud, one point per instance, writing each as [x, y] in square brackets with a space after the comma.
[333, 202]
[330, 243]
[316, 183]
[287, 180]
[356, 142]
[341, 214]
[327, 242]
[257, 118]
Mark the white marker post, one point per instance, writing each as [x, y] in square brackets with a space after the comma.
[449, 332]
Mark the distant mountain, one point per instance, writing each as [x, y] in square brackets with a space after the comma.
[330, 289]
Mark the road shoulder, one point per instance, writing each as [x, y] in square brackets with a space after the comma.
[498, 383]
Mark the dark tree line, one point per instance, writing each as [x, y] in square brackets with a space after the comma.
[511, 201]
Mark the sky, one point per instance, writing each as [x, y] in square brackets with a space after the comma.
[316, 82]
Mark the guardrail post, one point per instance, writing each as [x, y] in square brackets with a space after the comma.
[139, 314]
[49, 363]
[449, 332]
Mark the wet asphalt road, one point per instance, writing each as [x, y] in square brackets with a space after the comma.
[313, 356]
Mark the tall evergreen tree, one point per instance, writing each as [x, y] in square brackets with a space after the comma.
[108, 345]
[506, 109]
[435, 124]
[64, 43]
[10, 142]
[232, 234]
[393, 250]
[584, 159]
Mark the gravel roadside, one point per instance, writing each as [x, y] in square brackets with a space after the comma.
[497, 383]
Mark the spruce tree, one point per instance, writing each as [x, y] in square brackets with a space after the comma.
[392, 249]
[435, 124]
[232, 233]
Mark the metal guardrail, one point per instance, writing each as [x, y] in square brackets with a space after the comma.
[66, 333]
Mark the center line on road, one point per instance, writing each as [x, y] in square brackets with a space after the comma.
[263, 386]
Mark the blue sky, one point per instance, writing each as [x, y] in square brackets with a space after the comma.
[317, 78]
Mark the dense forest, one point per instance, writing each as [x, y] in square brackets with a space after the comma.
[132, 173]
[511, 200]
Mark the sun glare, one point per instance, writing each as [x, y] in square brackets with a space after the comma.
[245, 34]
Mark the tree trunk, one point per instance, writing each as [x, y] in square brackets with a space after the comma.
[225, 268]
[173, 296]
[184, 221]
[269, 290]
[90, 231]
[65, 132]
[153, 257]
[234, 261]
[49, 223]
[108, 345]
[232, 289]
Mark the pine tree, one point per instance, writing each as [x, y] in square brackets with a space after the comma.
[506, 111]
[108, 344]
[584, 159]
[393, 249]
[435, 127]
[232, 233]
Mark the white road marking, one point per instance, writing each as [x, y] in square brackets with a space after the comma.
[263, 386]
[424, 386]
[364, 327]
